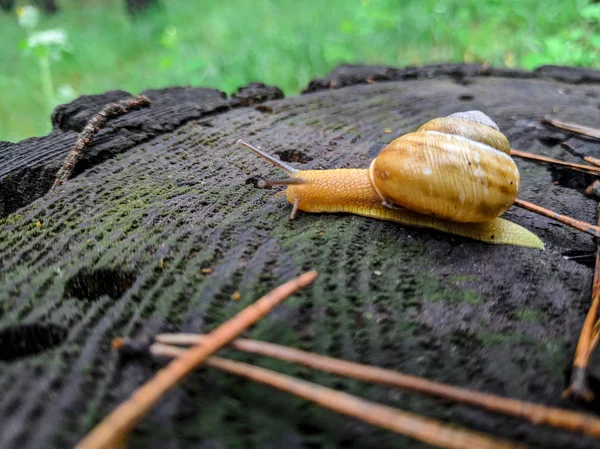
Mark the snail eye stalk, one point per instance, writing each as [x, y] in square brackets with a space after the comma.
[279, 182]
[273, 160]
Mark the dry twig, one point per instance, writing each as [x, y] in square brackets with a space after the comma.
[590, 331]
[112, 432]
[590, 159]
[588, 339]
[593, 190]
[535, 157]
[91, 128]
[574, 223]
[424, 429]
[572, 127]
[537, 414]
[593, 170]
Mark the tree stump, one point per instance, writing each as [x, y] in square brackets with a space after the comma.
[163, 193]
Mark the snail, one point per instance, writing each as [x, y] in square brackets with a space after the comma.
[454, 174]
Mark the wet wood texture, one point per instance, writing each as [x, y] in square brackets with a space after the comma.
[163, 195]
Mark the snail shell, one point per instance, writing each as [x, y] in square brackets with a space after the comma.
[456, 168]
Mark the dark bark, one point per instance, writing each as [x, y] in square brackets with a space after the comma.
[7, 5]
[27, 169]
[135, 7]
[163, 193]
[48, 6]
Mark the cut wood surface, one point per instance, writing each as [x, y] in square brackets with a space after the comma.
[161, 225]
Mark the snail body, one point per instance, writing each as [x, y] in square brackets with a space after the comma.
[453, 174]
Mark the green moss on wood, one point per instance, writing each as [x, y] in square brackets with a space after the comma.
[529, 315]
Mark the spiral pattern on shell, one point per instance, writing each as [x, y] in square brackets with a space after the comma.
[455, 168]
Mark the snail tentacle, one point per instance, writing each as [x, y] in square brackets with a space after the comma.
[263, 183]
[272, 159]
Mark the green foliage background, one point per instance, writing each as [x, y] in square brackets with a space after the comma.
[225, 44]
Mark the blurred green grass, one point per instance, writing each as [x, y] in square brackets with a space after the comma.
[225, 44]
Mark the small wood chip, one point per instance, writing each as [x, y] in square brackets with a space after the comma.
[91, 129]
[207, 270]
[236, 296]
